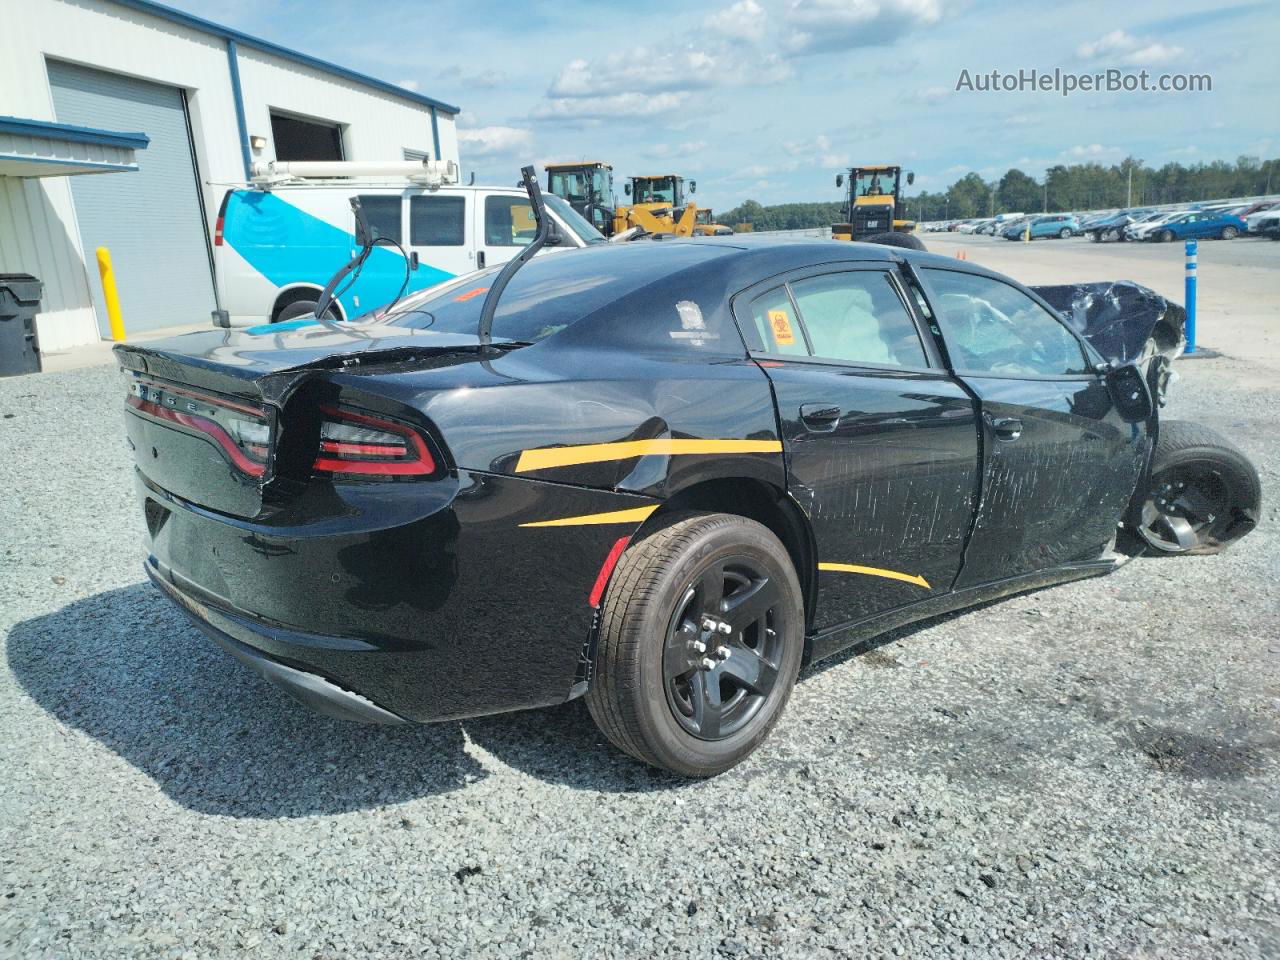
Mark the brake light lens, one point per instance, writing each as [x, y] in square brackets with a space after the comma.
[240, 430]
[217, 231]
[356, 444]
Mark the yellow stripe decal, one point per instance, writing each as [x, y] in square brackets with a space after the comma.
[634, 515]
[874, 572]
[628, 449]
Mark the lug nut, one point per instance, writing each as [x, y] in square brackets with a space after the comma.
[698, 647]
[724, 628]
[708, 623]
[722, 652]
[708, 663]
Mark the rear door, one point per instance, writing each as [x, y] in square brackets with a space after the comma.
[1060, 464]
[881, 443]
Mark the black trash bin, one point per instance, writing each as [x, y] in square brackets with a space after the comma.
[19, 304]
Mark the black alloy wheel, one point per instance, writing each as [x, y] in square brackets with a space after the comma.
[701, 637]
[720, 659]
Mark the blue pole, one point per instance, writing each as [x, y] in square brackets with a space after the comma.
[1191, 296]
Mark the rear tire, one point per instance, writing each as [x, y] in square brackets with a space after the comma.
[654, 694]
[893, 239]
[1064, 233]
[1229, 233]
[1166, 236]
[1203, 493]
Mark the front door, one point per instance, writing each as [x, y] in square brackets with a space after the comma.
[881, 443]
[504, 224]
[1060, 465]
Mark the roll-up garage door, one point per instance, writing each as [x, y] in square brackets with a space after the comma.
[151, 221]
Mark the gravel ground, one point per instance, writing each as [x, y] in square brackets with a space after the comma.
[1090, 770]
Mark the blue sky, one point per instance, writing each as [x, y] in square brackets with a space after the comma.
[767, 99]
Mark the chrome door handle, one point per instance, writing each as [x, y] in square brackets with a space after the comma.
[1006, 429]
[819, 416]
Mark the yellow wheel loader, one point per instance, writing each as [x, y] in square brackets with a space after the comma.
[704, 225]
[873, 203]
[658, 206]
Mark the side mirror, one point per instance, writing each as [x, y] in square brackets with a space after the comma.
[911, 178]
[555, 237]
[693, 186]
[1130, 393]
[839, 180]
[626, 188]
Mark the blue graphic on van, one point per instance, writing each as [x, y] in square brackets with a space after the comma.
[289, 246]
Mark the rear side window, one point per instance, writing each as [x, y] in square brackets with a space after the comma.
[852, 317]
[436, 221]
[995, 329]
[508, 222]
[858, 317]
[383, 214]
[774, 319]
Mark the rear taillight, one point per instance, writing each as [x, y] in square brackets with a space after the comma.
[356, 444]
[217, 232]
[240, 430]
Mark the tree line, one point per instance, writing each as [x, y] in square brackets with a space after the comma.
[1082, 186]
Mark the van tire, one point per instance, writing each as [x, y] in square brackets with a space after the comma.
[303, 305]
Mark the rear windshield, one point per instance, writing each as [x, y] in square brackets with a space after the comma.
[550, 292]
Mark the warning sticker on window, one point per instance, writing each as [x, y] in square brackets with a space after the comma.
[781, 324]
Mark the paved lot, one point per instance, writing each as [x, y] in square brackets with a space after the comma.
[1090, 770]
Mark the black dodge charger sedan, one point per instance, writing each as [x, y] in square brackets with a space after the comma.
[672, 473]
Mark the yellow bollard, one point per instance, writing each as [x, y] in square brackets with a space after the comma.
[1026, 234]
[110, 294]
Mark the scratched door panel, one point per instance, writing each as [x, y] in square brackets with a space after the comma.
[1055, 493]
[890, 485]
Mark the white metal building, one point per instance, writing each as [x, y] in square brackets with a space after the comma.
[164, 108]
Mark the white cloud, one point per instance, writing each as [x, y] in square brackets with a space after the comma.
[490, 141]
[407, 84]
[744, 20]
[1123, 47]
[643, 70]
[825, 25]
[1091, 150]
[812, 153]
[930, 95]
[478, 79]
[682, 149]
[1153, 54]
[609, 107]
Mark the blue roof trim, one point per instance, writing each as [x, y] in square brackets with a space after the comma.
[67, 131]
[256, 43]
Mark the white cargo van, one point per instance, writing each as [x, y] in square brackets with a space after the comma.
[276, 244]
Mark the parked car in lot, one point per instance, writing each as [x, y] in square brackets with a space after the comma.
[1196, 224]
[1111, 227]
[1060, 225]
[1254, 220]
[1140, 227]
[664, 477]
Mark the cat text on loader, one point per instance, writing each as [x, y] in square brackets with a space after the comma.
[873, 204]
[655, 202]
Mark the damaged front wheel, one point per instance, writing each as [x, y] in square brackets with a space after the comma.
[1202, 496]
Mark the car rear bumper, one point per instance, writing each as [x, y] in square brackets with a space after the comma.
[311, 689]
[407, 601]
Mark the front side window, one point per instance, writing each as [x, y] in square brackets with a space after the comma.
[508, 222]
[995, 329]
[383, 213]
[858, 317]
[437, 221]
